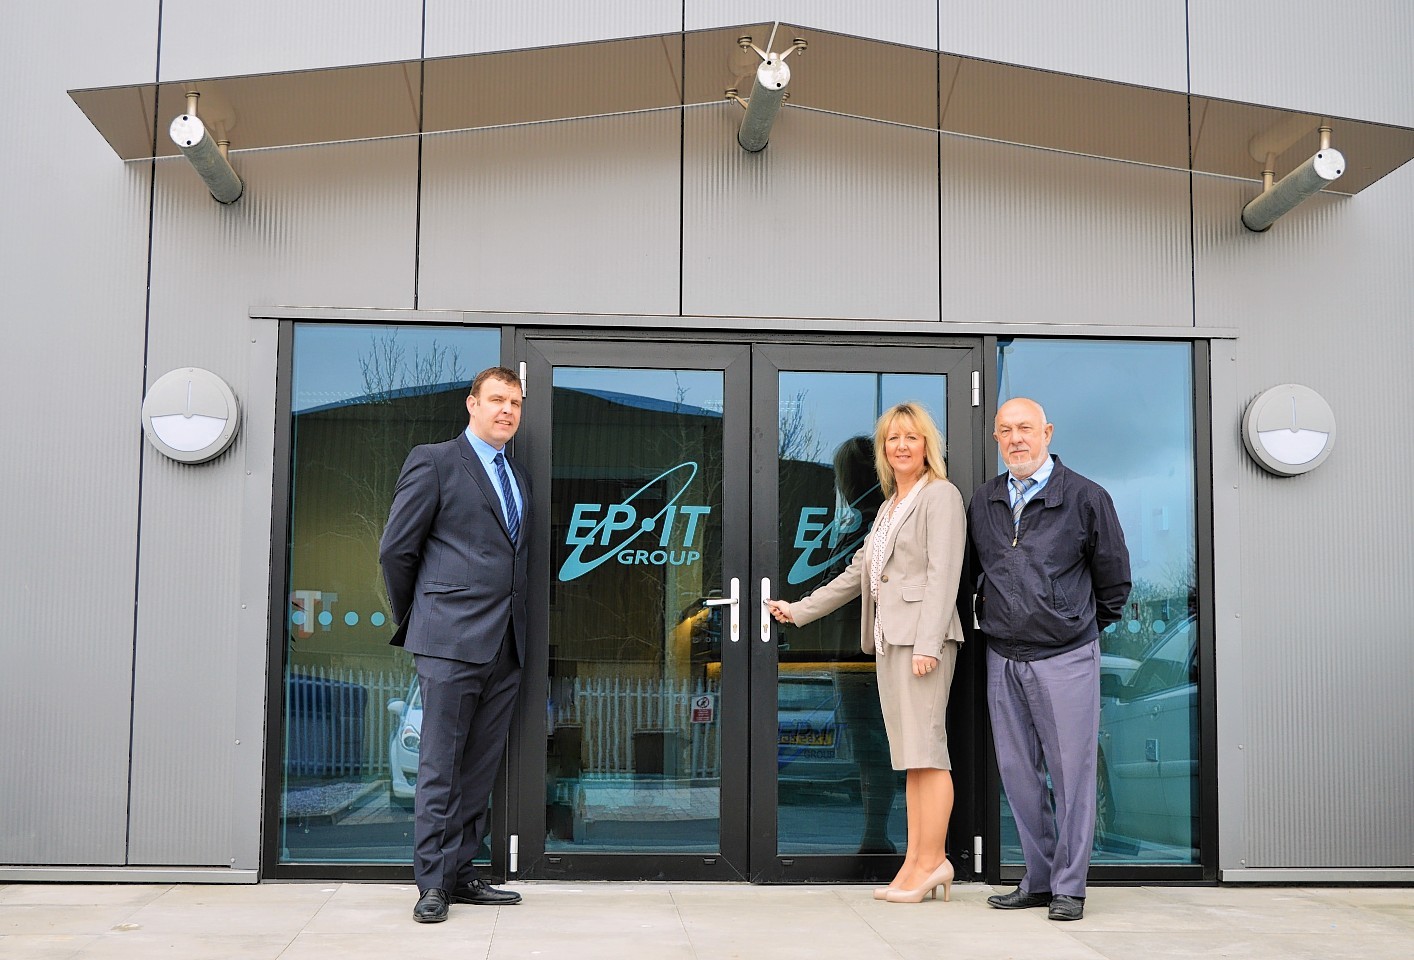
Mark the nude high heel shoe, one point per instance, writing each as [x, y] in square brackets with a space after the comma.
[882, 893]
[940, 877]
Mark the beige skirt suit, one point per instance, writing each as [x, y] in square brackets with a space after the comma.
[917, 610]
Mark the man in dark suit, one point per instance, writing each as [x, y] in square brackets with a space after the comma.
[454, 561]
[1052, 572]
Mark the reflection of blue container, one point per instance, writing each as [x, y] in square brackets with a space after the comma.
[324, 732]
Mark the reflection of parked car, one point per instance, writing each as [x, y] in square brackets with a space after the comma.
[1149, 744]
[812, 743]
[403, 745]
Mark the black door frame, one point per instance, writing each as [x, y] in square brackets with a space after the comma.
[959, 360]
[748, 791]
[541, 351]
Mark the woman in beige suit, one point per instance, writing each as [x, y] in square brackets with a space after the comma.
[907, 574]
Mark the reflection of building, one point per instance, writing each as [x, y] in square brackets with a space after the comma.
[1060, 207]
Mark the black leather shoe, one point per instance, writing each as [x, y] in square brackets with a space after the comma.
[1067, 908]
[479, 891]
[1019, 899]
[431, 907]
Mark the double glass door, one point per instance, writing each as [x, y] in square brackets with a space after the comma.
[669, 729]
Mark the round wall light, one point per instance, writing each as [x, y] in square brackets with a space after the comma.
[1288, 429]
[190, 415]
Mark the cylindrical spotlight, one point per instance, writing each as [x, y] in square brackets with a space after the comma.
[767, 92]
[190, 136]
[1305, 180]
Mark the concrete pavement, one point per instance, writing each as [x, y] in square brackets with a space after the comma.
[695, 921]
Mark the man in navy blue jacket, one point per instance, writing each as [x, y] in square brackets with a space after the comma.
[454, 557]
[1052, 572]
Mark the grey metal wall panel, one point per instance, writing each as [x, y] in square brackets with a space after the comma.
[1032, 236]
[456, 27]
[331, 224]
[1351, 61]
[910, 22]
[578, 216]
[837, 217]
[1322, 299]
[204, 39]
[1141, 43]
[73, 242]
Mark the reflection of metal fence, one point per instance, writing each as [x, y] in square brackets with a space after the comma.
[615, 712]
[337, 721]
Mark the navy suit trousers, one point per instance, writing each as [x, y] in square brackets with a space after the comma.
[466, 716]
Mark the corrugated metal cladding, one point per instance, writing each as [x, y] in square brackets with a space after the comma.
[1031, 236]
[204, 39]
[1323, 299]
[913, 23]
[457, 27]
[73, 267]
[585, 217]
[1119, 40]
[332, 224]
[1307, 56]
[836, 218]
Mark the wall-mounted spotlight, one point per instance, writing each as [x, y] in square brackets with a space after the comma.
[208, 157]
[768, 90]
[1279, 198]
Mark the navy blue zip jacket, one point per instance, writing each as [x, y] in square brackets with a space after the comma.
[1061, 579]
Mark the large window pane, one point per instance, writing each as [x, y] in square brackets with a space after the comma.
[363, 396]
[1123, 415]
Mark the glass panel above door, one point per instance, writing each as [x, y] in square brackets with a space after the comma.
[633, 747]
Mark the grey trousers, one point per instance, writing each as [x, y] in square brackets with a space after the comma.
[466, 715]
[1046, 717]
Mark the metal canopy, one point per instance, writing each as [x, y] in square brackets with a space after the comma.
[839, 74]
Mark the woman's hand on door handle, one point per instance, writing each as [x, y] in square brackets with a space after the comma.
[780, 610]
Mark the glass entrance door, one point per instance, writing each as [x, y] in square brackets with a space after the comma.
[670, 730]
[821, 764]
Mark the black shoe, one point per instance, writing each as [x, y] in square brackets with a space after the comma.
[431, 907]
[1067, 908]
[1019, 899]
[479, 891]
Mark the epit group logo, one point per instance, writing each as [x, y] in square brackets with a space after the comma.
[601, 532]
[822, 544]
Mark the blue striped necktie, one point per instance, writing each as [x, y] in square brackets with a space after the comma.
[512, 514]
[1018, 504]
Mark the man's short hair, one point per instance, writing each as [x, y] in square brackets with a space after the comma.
[503, 374]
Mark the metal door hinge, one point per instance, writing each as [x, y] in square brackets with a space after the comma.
[514, 865]
[976, 386]
[977, 856]
[525, 393]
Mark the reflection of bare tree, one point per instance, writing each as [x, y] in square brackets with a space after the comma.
[797, 439]
[411, 396]
[1167, 599]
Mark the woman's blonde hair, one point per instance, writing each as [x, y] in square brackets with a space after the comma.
[934, 466]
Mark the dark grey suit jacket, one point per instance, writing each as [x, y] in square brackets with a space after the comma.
[455, 580]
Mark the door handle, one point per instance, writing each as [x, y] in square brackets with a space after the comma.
[765, 610]
[733, 601]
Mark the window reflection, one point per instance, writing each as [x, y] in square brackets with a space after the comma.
[837, 790]
[1123, 415]
[362, 397]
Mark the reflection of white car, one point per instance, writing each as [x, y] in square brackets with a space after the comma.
[1149, 745]
[404, 744]
[812, 744]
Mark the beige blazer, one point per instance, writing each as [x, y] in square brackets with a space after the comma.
[919, 583]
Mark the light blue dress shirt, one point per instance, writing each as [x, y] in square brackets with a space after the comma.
[487, 453]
